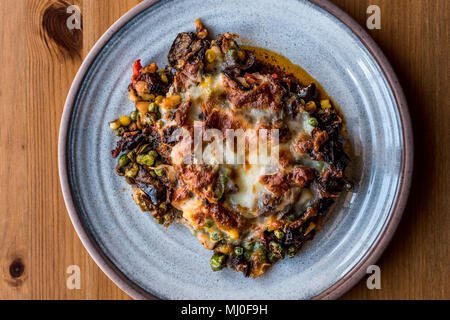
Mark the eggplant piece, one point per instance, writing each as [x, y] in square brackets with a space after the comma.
[156, 195]
[234, 67]
[187, 47]
[154, 83]
[239, 263]
[127, 142]
[152, 137]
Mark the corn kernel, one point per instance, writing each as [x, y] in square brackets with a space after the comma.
[325, 104]
[125, 120]
[210, 55]
[142, 107]
[171, 101]
[114, 125]
[159, 99]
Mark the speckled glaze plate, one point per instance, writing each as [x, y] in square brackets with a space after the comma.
[148, 262]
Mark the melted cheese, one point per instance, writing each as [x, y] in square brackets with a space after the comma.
[247, 177]
[190, 208]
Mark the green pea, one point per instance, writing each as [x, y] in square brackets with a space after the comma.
[153, 107]
[209, 223]
[124, 160]
[159, 172]
[276, 248]
[238, 250]
[218, 261]
[292, 250]
[216, 236]
[278, 233]
[272, 257]
[248, 246]
[133, 115]
[313, 122]
[120, 131]
[132, 172]
[153, 153]
[148, 160]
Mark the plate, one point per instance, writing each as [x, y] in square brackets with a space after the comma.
[147, 261]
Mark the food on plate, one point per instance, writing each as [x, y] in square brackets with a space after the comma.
[188, 149]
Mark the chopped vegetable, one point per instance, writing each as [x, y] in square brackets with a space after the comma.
[313, 122]
[292, 250]
[147, 160]
[125, 120]
[238, 250]
[133, 115]
[159, 99]
[153, 107]
[171, 102]
[114, 125]
[209, 223]
[248, 246]
[210, 55]
[163, 77]
[124, 160]
[153, 153]
[278, 233]
[120, 131]
[216, 236]
[276, 248]
[325, 104]
[132, 172]
[218, 261]
[136, 71]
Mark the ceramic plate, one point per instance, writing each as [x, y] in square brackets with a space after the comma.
[144, 259]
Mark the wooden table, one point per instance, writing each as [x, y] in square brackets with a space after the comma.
[39, 59]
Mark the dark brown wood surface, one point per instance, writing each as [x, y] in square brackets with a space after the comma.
[39, 58]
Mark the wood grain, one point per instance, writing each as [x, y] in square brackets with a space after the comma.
[39, 60]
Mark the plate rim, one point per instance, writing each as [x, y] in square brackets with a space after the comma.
[352, 276]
